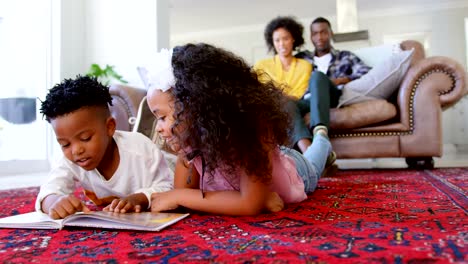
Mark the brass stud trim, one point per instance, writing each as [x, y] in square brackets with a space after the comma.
[410, 108]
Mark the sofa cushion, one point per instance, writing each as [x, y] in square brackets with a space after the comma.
[380, 82]
[361, 114]
[375, 55]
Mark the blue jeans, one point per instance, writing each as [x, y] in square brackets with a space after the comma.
[323, 96]
[311, 165]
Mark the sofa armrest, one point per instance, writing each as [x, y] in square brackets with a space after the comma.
[418, 53]
[435, 80]
[125, 102]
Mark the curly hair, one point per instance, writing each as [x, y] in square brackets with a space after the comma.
[229, 117]
[288, 23]
[73, 94]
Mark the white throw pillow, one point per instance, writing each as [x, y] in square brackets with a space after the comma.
[380, 82]
[375, 55]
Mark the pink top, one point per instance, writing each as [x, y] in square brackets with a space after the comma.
[285, 180]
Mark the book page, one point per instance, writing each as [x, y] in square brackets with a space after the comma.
[33, 220]
[147, 221]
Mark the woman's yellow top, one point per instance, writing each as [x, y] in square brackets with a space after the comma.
[296, 79]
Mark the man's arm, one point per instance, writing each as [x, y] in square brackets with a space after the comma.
[359, 68]
[347, 67]
[341, 80]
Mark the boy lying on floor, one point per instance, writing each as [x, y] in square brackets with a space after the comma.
[117, 169]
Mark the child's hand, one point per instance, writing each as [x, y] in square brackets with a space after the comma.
[274, 203]
[66, 205]
[163, 201]
[130, 203]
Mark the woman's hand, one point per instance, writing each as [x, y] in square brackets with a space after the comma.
[164, 201]
[131, 203]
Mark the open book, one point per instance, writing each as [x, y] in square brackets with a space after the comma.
[145, 221]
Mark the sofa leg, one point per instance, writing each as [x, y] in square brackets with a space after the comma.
[420, 163]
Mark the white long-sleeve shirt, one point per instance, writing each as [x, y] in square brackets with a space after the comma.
[142, 169]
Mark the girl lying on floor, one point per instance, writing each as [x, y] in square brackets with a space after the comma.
[228, 129]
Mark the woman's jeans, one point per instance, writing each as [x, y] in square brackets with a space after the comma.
[323, 96]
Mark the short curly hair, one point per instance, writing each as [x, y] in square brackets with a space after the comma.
[73, 94]
[290, 24]
[321, 20]
[229, 117]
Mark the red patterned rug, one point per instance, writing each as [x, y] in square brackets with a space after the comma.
[356, 216]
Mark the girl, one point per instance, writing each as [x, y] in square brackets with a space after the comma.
[228, 128]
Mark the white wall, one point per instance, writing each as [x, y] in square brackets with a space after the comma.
[23, 40]
[444, 28]
[115, 32]
[72, 36]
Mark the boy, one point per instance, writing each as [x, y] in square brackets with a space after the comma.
[117, 169]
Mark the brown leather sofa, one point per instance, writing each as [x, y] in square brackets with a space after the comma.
[125, 103]
[132, 113]
[409, 125]
[413, 129]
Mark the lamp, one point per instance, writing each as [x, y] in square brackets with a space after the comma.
[18, 110]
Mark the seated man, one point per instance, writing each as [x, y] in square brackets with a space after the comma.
[331, 70]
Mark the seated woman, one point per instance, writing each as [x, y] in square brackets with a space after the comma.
[283, 35]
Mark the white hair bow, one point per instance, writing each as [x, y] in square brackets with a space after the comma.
[161, 75]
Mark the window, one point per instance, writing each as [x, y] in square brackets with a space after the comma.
[24, 41]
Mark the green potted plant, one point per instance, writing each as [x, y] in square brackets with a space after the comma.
[105, 75]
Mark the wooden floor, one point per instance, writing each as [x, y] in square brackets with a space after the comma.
[453, 156]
